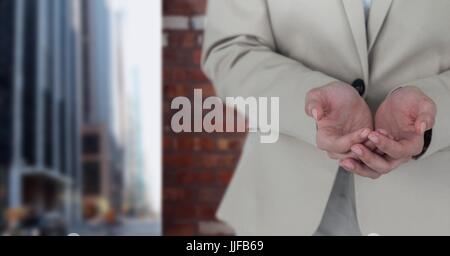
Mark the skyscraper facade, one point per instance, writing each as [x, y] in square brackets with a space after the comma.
[6, 90]
[41, 99]
[58, 144]
[102, 165]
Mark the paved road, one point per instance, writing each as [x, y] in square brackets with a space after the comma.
[145, 227]
[128, 227]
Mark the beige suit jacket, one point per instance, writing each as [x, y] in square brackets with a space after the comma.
[284, 48]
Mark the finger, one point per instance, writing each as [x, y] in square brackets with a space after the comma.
[358, 168]
[388, 146]
[424, 123]
[413, 146]
[336, 156]
[314, 108]
[426, 117]
[372, 160]
[385, 133]
[370, 145]
[379, 152]
[343, 144]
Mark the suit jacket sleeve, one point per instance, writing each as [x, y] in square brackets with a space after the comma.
[438, 89]
[240, 58]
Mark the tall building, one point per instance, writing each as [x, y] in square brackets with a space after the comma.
[135, 187]
[103, 148]
[40, 106]
[59, 146]
[6, 91]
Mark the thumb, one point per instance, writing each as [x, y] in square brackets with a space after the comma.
[424, 122]
[426, 116]
[314, 109]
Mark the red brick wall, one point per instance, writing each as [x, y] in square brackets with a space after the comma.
[197, 167]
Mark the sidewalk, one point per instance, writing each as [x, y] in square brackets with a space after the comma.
[128, 227]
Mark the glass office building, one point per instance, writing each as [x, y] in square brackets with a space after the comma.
[102, 155]
[71, 120]
[40, 106]
[6, 91]
[61, 117]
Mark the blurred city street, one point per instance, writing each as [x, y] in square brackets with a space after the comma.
[140, 227]
[78, 150]
[127, 227]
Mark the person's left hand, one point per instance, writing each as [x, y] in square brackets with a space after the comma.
[401, 122]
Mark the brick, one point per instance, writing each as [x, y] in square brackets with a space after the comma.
[185, 178]
[230, 144]
[174, 90]
[183, 74]
[224, 177]
[186, 143]
[206, 143]
[223, 144]
[167, 128]
[178, 160]
[195, 178]
[205, 178]
[197, 167]
[180, 229]
[176, 194]
[237, 143]
[206, 212]
[197, 75]
[184, 7]
[179, 74]
[180, 211]
[208, 195]
[169, 143]
[167, 75]
[197, 57]
[165, 40]
[184, 39]
[176, 58]
[189, 40]
[215, 160]
[169, 181]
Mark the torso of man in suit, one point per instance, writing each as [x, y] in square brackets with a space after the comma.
[394, 51]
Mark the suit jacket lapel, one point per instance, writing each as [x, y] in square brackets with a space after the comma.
[378, 14]
[354, 10]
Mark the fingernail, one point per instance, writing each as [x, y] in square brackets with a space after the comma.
[357, 151]
[382, 131]
[348, 166]
[423, 127]
[315, 114]
[365, 133]
[374, 138]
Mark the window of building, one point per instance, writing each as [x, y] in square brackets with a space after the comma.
[29, 99]
[91, 144]
[91, 179]
[6, 78]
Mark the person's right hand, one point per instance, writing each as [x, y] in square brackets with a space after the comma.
[343, 120]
